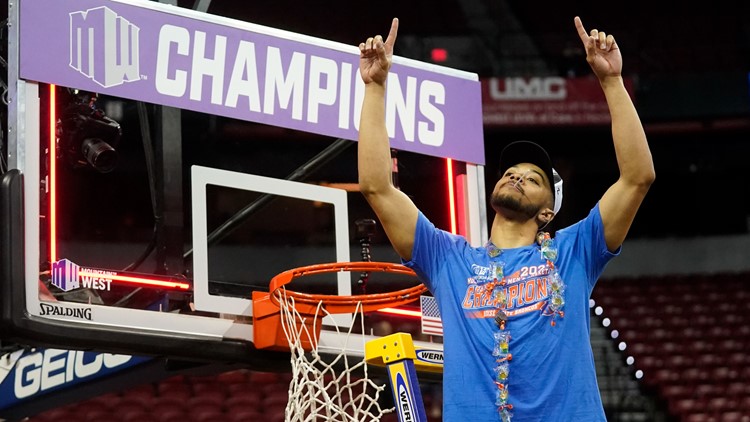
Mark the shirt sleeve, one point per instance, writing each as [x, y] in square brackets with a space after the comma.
[429, 253]
[589, 244]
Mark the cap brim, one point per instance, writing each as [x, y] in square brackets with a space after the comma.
[527, 152]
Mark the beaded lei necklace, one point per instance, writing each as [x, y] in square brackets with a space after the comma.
[553, 309]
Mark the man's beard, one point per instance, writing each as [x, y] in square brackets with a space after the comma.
[503, 201]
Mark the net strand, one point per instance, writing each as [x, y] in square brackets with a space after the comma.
[317, 392]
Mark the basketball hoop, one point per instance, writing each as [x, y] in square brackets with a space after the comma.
[268, 331]
[284, 319]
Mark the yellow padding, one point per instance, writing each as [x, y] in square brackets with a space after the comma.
[390, 349]
[399, 346]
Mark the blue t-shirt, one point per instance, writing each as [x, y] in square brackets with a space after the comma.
[551, 374]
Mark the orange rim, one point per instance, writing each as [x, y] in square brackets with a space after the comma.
[345, 304]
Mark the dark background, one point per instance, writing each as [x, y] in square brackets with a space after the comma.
[690, 71]
[690, 66]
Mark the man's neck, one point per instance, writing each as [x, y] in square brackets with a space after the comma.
[506, 233]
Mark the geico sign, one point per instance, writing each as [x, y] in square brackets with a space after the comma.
[53, 367]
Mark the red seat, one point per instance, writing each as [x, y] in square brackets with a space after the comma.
[211, 398]
[734, 416]
[721, 404]
[683, 406]
[641, 349]
[706, 390]
[676, 391]
[738, 358]
[700, 417]
[243, 415]
[175, 379]
[206, 414]
[275, 414]
[176, 390]
[211, 386]
[649, 363]
[661, 376]
[725, 374]
[678, 361]
[96, 416]
[745, 373]
[677, 321]
[731, 319]
[671, 347]
[389, 417]
[661, 334]
[92, 411]
[274, 398]
[700, 346]
[233, 377]
[169, 414]
[702, 316]
[169, 400]
[694, 374]
[132, 415]
[737, 389]
[204, 408]
[731, 345]
[247, 400]
[140, 391]
[61, 414]
[259, 378]
[719, 331]
[141, 403]
[108, 400]
[709, 360]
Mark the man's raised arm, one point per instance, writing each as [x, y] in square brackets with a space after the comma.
[396, 212]
[620, 203]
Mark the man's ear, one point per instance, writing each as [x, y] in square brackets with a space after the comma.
[545, 216]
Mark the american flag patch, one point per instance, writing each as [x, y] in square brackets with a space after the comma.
[431, 322]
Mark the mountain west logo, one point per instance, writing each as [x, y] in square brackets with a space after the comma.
[65, 275]
[104, 47]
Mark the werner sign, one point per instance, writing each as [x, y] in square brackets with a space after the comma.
[176, 57]
[548, 101]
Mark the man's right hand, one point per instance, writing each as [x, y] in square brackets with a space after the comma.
[376, 56]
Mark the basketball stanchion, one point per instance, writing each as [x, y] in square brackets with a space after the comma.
[397, 353]
[326, 385]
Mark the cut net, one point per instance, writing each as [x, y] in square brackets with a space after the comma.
[326, 389]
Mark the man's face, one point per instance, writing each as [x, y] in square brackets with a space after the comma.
[521, 192]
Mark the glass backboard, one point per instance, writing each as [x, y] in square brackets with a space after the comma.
[175, 161]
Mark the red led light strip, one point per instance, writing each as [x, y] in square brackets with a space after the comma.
[51, 179]
[451, 202]
[454, 230]
[166, 283]
[402, 312]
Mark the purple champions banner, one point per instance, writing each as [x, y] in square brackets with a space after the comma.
[177, 57]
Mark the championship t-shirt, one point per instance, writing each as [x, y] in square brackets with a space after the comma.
[548, 362]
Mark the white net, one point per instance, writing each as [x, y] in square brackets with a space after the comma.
[337, 388]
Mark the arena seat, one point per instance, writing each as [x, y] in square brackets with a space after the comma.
[243, 415]
[693, 349]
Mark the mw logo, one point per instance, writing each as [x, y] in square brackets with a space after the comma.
[104, 47]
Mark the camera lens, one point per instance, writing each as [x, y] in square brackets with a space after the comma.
[99, 154]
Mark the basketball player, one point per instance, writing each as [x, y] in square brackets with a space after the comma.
[515, 311]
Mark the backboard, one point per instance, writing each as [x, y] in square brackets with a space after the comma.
[173, 162]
